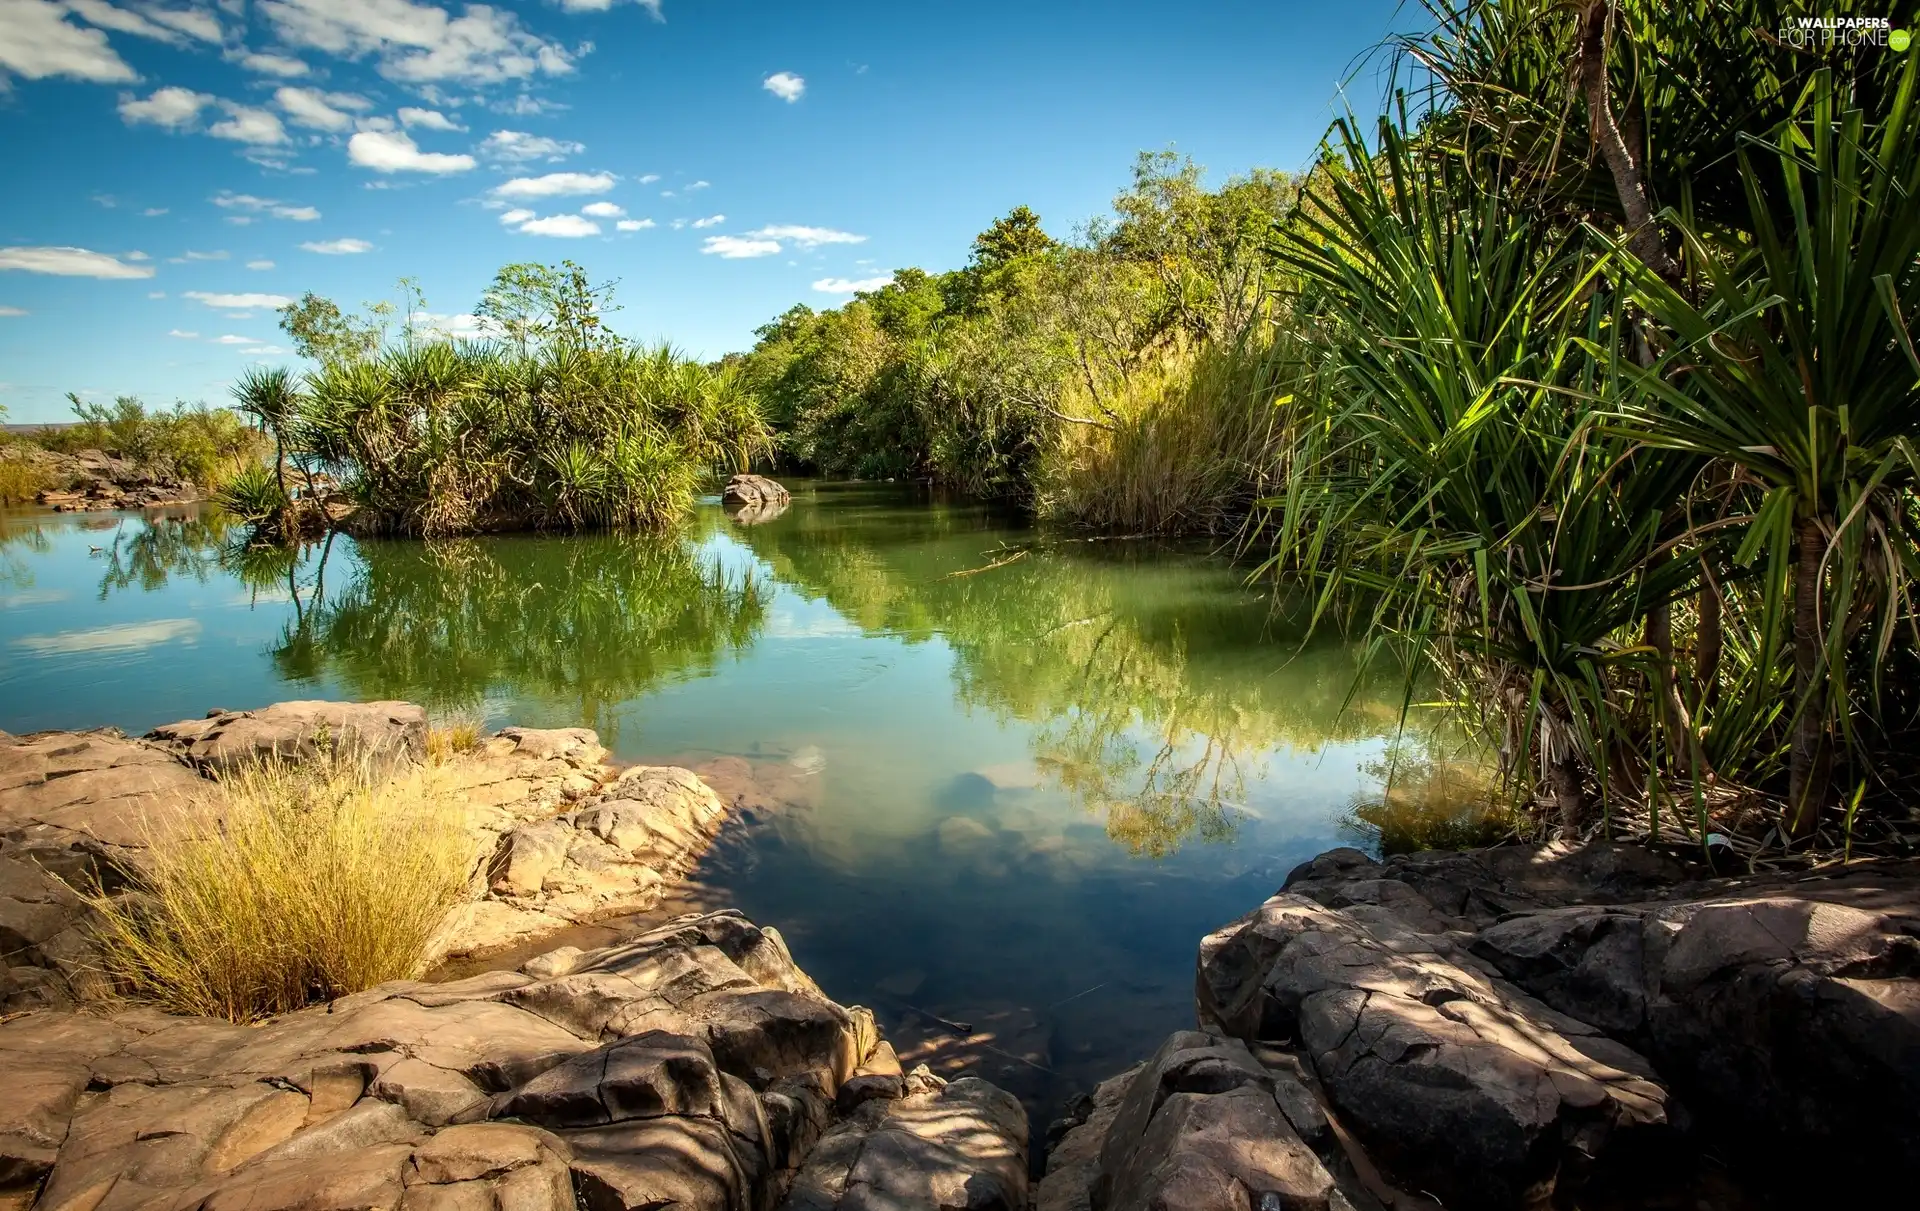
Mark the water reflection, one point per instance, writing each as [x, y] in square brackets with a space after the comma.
[585, 622]
[985, 775]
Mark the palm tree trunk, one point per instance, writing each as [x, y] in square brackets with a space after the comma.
[1707, 644]
[1629, 173]
[1810, 758]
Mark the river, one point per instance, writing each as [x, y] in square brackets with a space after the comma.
[989, 775]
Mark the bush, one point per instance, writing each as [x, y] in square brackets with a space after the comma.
[252, 494]
[20, 480]
[319, 881]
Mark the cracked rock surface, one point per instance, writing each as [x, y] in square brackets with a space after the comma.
[1505, 1027]
[693, 1067]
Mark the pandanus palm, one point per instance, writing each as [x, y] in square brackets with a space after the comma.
[1449, 470]
[1795, 363]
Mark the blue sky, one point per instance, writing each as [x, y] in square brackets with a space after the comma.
[178, 167]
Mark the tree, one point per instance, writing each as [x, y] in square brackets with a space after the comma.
[1010, 238]
[321, 332]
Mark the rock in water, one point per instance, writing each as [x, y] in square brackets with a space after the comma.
[750, 499]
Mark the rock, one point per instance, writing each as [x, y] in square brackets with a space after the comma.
[382, 732]
[878, 1077]
[963, 1148]
[1471, 1090]
[751, 499]
[1199, 1129]
[500, 1092]
[1073, 1162]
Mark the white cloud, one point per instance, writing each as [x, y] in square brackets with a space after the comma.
[566, 226]
[246, 124]
[191, 255]
[464, 327]
[808, 237]
[712, 220]
[194, 22]
[284, 66]
[525, 105]
[228, 200]
[555, 184]
[846, 286]
[236, 301]
[516, 216]
[36, 41]
[603, 210]
[70, 262]
[785, 85]
[120, 20]
[234, 340]
[153, 212]
[601, 6]
[392, 152]
[427, 119]
[312, 108]
[341, 247]
[185, 336]
[734, 248]
[421, 43]
[156, 294]
[650, 178]
[519, 147]
[172, 107]
[12, 312]
[697, 185]
[262, 264]
[634, 224]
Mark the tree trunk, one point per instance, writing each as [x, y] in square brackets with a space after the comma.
[1623, 159]
[1707, 644]
[1569, 796]
[1810, 759]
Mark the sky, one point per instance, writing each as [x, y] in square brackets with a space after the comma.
[179, 168]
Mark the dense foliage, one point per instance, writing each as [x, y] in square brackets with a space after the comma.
[559, 424]
[1106, 379]
[1585, 376]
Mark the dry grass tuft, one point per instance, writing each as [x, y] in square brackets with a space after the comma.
[320, 880]
[451, 739]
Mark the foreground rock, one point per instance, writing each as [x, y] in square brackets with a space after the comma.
[749, 499]
[559, 837]
[695, 1067]
[1507, 1027]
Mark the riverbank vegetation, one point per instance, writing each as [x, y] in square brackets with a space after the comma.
[321, 880]
[552, 423]
[187, 443]
[1585, 379]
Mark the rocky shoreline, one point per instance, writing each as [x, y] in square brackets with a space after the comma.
[1523, 1027]
[1508, 1028]
[93, 481]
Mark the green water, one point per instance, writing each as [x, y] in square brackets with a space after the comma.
[1014, 796]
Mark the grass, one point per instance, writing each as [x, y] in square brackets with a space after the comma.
[1183, 446]
[318, 881]
[451, 739]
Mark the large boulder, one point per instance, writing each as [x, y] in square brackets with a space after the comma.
[1462, 1082]
[386, 733]
[949, 1147]
[749, 499]
[1199, 1129]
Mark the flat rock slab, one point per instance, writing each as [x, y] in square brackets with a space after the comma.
[382, 732]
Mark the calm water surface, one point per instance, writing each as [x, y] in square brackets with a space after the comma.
[1011, 797]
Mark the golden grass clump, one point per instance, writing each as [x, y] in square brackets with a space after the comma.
[317, 881]
[451, 739]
